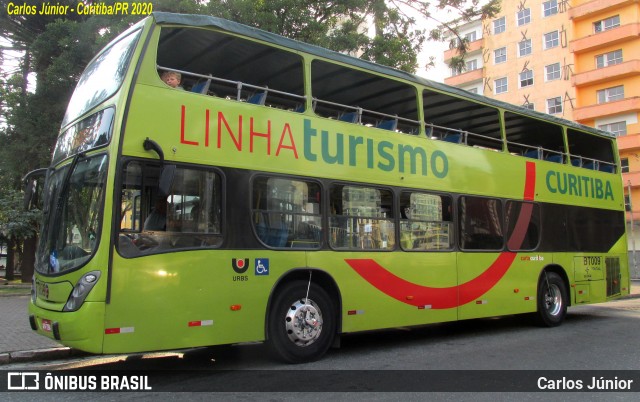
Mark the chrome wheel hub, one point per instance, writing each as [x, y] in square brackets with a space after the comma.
[303, 322]
[553, 300]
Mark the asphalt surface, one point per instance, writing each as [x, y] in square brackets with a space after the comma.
[19, 343]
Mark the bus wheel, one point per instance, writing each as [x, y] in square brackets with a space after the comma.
[552, 300]
[300, 329]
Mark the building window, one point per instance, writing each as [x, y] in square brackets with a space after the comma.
[502, 85]
[524, 16]
[524, 47]
[529, 106]
[554, 105]
[606, 24]
[526, 78]
[624, 165]
[499, 25]
[552, 72]
[471, 65]
[618, 128]
[609, 59]
[627, 203]
[610, 94]
[500, 55]
[550, 8]
[551, 39]
[470, 37]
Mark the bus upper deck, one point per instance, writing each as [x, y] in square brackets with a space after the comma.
[221, 62]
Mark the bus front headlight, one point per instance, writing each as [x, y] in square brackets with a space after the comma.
[81, 290]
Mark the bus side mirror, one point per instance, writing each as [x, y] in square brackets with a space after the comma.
[166, 179]
[168, 171]
[32, 184]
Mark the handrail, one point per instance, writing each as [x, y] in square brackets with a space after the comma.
[239, 85]
[360, 110]
[464, 133]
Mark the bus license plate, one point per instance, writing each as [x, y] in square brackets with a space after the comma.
[46, 325]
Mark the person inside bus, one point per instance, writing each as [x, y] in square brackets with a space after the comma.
[172, 79]
[157, 219]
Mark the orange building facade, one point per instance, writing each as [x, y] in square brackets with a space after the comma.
[575, 59]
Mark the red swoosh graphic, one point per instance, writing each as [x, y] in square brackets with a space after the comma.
[441, 298]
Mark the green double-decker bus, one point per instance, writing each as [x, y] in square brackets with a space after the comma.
[288, 194]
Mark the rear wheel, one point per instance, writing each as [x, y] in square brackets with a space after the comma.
[552, 300]
[301, 329]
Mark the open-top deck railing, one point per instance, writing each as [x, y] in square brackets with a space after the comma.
[459, 136]
[355, 114]
[537, 152]
[243, 90]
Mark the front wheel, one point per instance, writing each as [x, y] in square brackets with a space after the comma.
[301, 329]
[552, 300]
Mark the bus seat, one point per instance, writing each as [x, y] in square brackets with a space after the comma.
[388, 124]
[533, 153]
[350, 117]
[429, 131]
[454, 138]
[278, 237]
[201, 87]
[258, 98]
[607, 168]
[576, 162]
[299, 108]
[554, 158]
[593, 165]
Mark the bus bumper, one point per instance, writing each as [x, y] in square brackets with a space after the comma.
[82, 329]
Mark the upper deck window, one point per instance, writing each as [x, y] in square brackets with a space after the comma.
[461, 121]
[534, 138]
[102, 77]
[356, 96]
[591, 151]
[227, 66]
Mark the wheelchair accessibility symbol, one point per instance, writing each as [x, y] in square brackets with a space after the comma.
[262, 266]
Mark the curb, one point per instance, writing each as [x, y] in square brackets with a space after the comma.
[39, 355]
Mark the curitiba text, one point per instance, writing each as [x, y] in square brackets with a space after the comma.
[579, 186]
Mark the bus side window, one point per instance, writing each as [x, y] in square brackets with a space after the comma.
[286, 212]
[426, 222]
[480, 223]
[188, 217]
[520, 213]
[361, 218]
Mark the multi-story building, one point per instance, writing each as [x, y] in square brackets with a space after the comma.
[606, 48]
[577, 59]
[521, 56]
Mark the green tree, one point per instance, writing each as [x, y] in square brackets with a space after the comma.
[396, 36]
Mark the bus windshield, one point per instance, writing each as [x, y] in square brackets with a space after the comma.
[101, 78]
[72, 215]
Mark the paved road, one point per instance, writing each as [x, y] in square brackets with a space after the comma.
[15, 331]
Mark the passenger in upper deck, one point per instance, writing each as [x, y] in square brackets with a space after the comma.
[172, 79]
